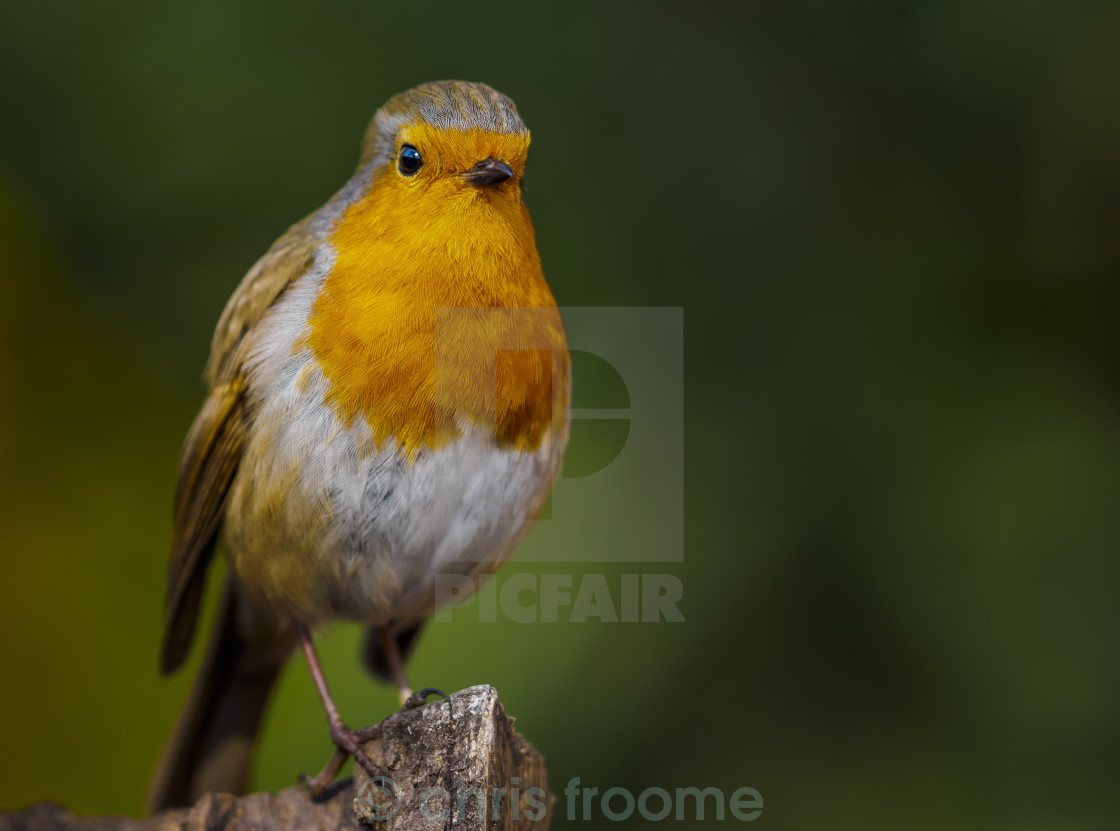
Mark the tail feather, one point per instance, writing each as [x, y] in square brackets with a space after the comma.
[211, 746]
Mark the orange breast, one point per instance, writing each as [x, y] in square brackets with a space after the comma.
[436, 315]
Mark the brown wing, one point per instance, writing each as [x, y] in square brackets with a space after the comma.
[288, 258]
[217, 438]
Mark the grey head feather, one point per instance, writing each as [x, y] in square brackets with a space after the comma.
[449, 105]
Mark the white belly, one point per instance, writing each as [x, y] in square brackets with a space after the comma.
[321, 524]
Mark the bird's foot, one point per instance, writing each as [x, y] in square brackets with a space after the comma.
[348, 742]
[420, 698]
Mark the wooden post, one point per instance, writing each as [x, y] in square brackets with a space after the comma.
[449, 764]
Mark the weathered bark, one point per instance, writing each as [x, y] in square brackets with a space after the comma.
[456, 764]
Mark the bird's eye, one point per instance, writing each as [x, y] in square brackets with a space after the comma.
[409, 160]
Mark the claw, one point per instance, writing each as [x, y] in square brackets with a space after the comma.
[317, 785]
[420, 698]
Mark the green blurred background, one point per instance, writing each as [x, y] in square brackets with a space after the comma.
[894, 229]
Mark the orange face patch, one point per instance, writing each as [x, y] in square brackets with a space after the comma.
[436, 312]
[446, 152]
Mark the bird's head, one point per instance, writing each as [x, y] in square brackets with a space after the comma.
[435, 309]
[446, 145]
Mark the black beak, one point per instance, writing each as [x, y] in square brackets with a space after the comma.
[487, 172]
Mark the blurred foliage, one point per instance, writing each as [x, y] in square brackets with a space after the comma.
[895, 232]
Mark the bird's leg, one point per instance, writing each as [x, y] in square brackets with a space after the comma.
[409, 700]
[396, 666]
[347, 740]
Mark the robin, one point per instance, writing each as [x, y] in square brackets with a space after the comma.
[388, 397]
